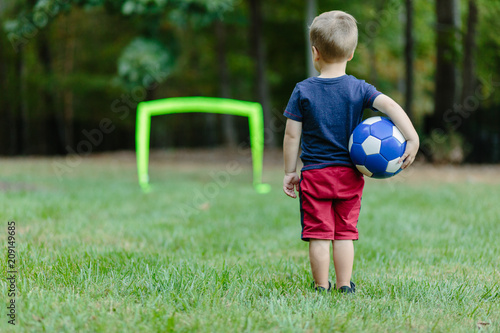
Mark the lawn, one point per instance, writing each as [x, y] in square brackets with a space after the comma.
[204, 252]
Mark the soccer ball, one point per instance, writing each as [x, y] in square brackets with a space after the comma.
[375, 146]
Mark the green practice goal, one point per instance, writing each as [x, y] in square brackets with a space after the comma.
[145, 110]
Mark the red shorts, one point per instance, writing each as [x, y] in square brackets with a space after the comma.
[330, 201]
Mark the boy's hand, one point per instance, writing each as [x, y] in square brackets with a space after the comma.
[400, 118]
[410, 153]
[291, 182]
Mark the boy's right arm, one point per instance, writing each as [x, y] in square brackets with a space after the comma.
[291, 145]
[388, 106]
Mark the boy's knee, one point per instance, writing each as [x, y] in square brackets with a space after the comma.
[319, 244]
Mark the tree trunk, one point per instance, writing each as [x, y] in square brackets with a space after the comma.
[20, 137]
[409, 58]
[311, 9]
[52, 132]
[5, 121]
[445, 94]
[209, 137]
[229, 131]
[69, 59]
[257, 46]
[469, 69]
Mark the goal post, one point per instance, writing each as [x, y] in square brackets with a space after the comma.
[252, 110]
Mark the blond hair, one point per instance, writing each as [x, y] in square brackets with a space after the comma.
[334, 34]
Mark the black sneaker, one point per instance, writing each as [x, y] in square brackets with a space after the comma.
[322, 289]
[348, 290]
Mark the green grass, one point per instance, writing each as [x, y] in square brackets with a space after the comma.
[97, 255]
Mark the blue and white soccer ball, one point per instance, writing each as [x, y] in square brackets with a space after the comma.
[375, 146]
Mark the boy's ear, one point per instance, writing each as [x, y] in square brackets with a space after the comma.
[350, 58]
[315, 53]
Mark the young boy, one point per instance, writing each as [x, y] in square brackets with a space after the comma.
[324, 110]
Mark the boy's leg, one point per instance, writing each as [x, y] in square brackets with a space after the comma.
[346, 210]
[319, 256]
[343, 258]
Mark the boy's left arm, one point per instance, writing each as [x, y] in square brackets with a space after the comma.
[388, 106]
[291, 145]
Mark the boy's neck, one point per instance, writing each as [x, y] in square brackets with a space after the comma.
[332, 69]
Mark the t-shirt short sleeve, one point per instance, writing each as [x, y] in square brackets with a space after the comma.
[369, 96]
[294, 109]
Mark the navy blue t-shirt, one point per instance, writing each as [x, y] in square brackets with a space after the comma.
[329, 109]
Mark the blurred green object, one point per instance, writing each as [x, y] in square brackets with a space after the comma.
[144, 62]
[145, 110]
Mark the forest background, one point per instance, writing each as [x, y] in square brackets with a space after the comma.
[74, 70]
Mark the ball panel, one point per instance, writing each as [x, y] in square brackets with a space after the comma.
[371, 120]
[371, 145]
[358, 155]
[393, 166]
[382, 130]
[398, 135]
[391, 148]
[376, 163]
[350, 142]
[361, 132]
[382, 175]
[364, 170]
